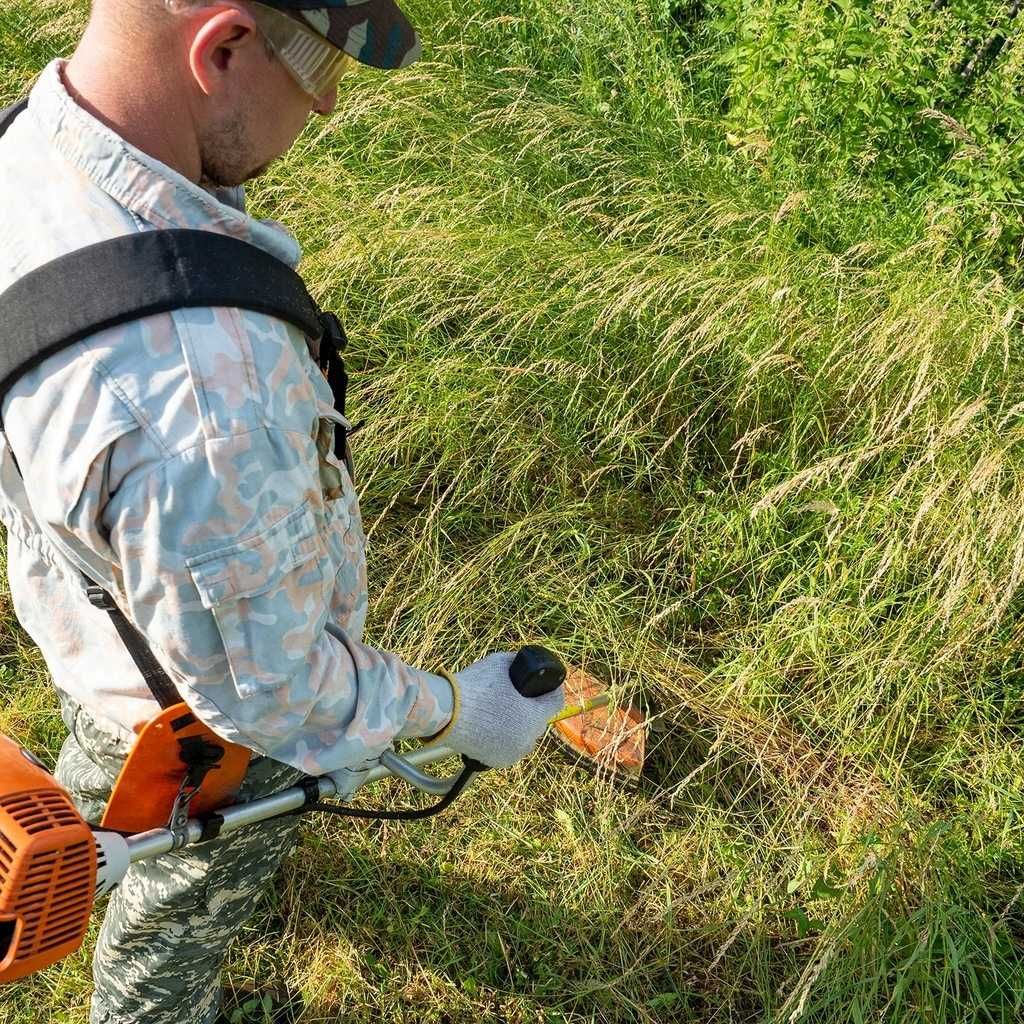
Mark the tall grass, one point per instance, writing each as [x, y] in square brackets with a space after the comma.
[658, 368]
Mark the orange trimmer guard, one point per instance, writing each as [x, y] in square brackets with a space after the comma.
[607, 739]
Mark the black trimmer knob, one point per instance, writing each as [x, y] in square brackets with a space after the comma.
[536, 671]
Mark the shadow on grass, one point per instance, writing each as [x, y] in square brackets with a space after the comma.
[431, 942]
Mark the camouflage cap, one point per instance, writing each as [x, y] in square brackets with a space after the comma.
[375, 32]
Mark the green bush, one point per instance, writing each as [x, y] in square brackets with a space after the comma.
[824, 92]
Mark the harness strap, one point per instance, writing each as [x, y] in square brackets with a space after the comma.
[138, 275]
[134, 276]
[165, 693]
[333, 368]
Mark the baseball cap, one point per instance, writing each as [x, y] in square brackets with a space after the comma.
[375, 32]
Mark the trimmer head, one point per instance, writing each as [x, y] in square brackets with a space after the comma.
[606, 739]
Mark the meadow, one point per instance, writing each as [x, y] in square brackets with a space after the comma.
[688, 340]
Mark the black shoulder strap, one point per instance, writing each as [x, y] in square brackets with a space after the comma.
[8, 114]
[156, 679]
[134, 276]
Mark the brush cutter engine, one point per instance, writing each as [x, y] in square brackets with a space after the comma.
[52, 866]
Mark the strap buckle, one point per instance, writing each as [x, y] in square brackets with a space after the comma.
[99, 598]
[200, 758]
[333, 332]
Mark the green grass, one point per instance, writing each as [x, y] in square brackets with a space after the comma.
[668, 371]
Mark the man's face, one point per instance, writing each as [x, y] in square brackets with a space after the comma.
[255, 117]
[246, 138]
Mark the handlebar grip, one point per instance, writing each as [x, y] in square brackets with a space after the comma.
[536, 671]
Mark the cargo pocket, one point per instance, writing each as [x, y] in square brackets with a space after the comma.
[332, 470]
[345, 544]
[267, 594]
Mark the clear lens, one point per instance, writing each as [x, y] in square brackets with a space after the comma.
[314, 63]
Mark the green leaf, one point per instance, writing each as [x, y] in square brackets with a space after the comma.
[804, 924]
[663, 1000]
[822, 890]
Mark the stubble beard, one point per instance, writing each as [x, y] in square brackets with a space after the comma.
[223, 155]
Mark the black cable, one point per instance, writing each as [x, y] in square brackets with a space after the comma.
[470, 769]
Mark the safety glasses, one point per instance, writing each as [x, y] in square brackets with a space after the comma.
[312, 61]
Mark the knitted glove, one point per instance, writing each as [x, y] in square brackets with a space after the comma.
[492, 722]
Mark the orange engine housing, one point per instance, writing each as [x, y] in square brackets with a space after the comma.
[47, 867]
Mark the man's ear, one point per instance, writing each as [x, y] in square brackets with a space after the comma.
[218, 43]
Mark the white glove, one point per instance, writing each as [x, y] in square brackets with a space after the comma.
[492, 722]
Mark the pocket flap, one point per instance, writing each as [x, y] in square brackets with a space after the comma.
[256, 564]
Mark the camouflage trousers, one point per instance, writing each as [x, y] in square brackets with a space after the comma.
[169, 923]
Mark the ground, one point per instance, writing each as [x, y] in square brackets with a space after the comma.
[688, 341]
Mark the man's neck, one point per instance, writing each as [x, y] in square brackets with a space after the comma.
[146, 111]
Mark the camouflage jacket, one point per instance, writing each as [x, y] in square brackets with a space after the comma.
[185, 462]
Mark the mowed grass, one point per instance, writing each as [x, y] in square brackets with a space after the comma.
[741, 436]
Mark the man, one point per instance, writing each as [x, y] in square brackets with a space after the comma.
[185, 463]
